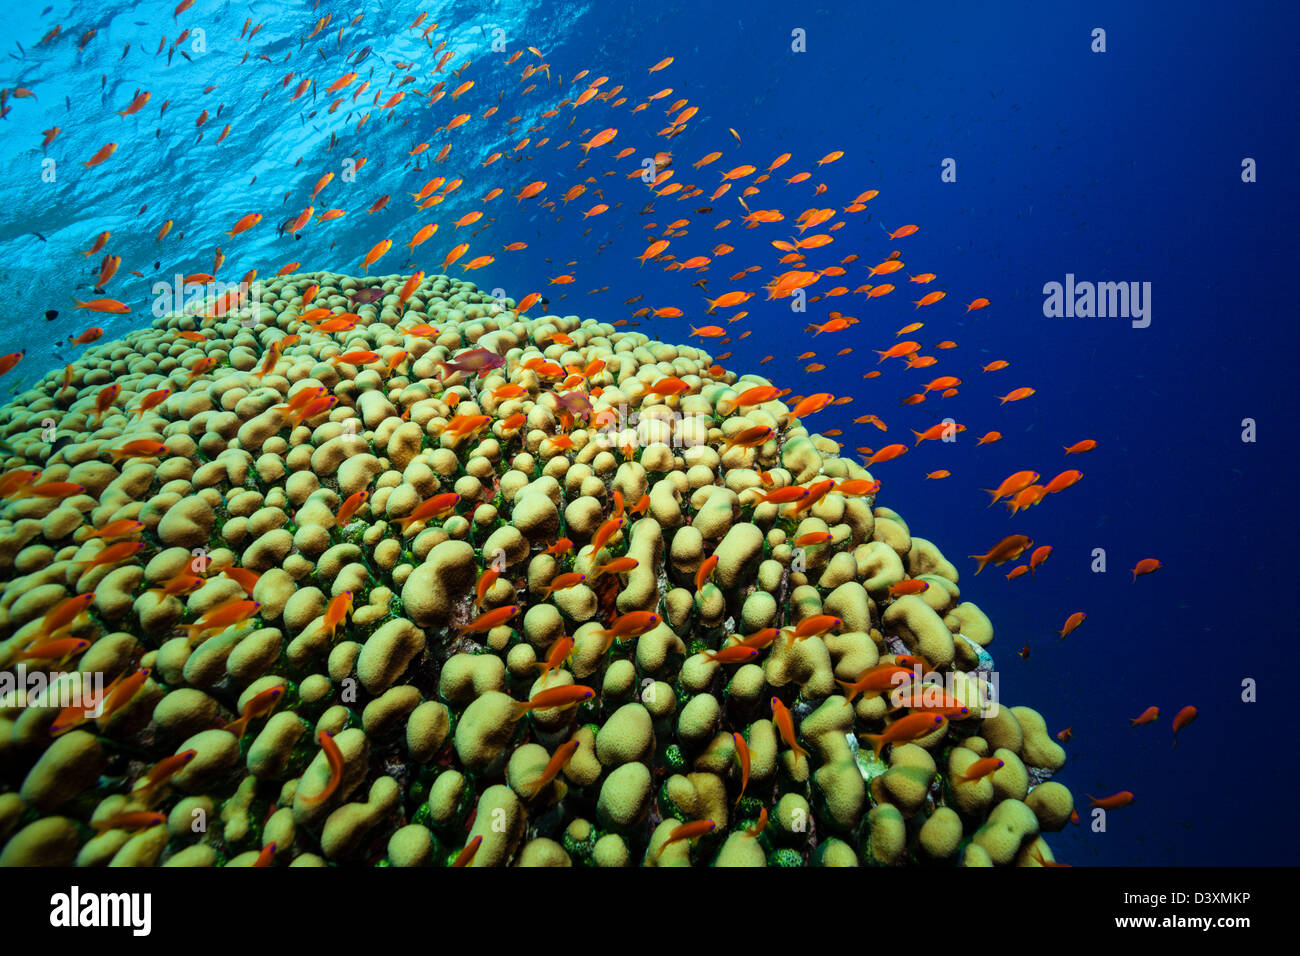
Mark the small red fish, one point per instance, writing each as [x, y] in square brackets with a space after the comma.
[334, 757]
[569, 695]
[1113, 802]
[1146, 566]
[785, 724]
[1182, 719]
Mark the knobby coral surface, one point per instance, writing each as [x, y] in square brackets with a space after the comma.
[365, 541]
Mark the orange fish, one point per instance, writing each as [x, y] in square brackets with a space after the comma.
[58, 649]
[1113, 802]
[1146, 566]
[735, 654]
[336, 612]
[130, 820]
[434, 507]
[101, 156]
[141, 448]
[1182, 719]
[563, 582]
[159, 774]
[569, 695]
[493, 618]
[245, 578]
[1146, 717]
[1011, 485]
[811, 404]
[466, 855]
[899, 351]
[118, 529]
[50, 489]
[110, 306]
[878, 679]
[857, 487]
[1073, 621]
[259, 705]
[905, 730]
[705, 569]
[750, 437]
[908, 587]
[785, 724]
[334, 757]
[563, 754]
[978, 770]
[1008, 549]
[888, 453]
[1062, 481]
[376, 252]
[1015, 395]
[179, 584]
[687, 831]
[222, 617]
[560, 548]
[529, 191]
[627, 626]
[112, 554]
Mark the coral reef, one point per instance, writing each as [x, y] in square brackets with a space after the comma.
[434, 583]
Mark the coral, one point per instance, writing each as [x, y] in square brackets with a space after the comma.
[502, 599]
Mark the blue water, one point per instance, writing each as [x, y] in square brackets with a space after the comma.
[1116, 166]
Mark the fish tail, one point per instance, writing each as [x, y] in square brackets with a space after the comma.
[877, 742]
[518, 709]
[851, 693]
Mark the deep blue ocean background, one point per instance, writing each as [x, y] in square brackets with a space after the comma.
[1116, 166]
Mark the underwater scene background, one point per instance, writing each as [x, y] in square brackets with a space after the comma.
[1027, 147]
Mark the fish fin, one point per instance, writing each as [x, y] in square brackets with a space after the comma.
[518, 709]
[877, 742]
